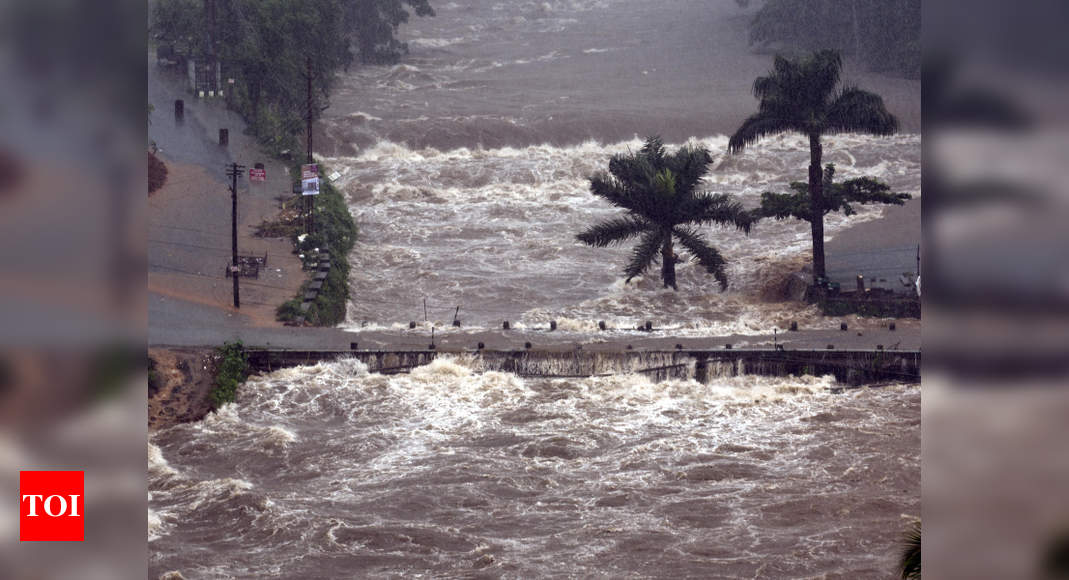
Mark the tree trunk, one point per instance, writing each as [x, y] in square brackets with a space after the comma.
[668, 263]
[816, 202]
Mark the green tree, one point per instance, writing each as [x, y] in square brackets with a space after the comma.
[837, 197]
[658, 191]
[374, 24]
[272, 47]
[179, 23]
[802, 95]
[232, 369]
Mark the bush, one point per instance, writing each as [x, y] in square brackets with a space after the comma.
[290, 309]
[232, 368]
[335, 234]
[157, 173]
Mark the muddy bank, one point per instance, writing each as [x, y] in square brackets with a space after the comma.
[178, 393]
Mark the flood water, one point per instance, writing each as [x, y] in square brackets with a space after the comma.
[329, 472]
[466, 170]
[467, 165]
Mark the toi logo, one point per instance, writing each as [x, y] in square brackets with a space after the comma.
[51, 506]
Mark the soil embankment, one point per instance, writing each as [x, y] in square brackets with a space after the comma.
[178, 393]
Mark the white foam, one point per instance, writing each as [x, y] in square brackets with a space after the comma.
[493, 230]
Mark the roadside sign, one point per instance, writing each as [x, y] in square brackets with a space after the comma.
[257, 174]
[310, 179]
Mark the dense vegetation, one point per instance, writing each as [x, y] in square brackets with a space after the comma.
[802, 95]
[232, 368]
[882, 34]
[271, 47]
[658, 191]
[335, 233]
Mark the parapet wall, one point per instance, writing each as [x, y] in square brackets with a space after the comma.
[850, 367]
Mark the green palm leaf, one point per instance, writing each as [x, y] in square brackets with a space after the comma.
[858, 111]
[613, 231]
[703, 253]
[761, 125]
[643, 254]
[721, 209]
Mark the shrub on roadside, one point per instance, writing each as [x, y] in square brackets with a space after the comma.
[232, 368]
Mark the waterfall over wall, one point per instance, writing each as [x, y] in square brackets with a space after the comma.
[848, 367]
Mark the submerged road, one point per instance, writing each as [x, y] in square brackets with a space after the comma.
[175, 322]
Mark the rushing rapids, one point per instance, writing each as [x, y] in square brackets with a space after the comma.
[466, 166]
[466, 170]
[493, 232]
[328, 471]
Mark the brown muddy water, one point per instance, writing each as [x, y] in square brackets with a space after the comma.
[466, 165]
[466, 169]
[331, 472]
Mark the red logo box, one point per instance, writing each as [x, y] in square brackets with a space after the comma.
[51, 506]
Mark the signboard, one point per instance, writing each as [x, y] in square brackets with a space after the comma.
[257, 174]
[310, 179]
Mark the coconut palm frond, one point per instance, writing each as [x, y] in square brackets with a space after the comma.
[612, 190]
[632, 168]
[722, 209]
[858, 111]
[703, 253]
[759, 126]
[821, 72]
[613, 231]
[689, 165]
[643, 254]
[910, 560]
[653, 150]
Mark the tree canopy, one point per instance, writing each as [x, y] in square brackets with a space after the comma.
[837, 197]
[658, 190]
[270, 47]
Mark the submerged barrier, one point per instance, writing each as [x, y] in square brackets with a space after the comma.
[850, 367]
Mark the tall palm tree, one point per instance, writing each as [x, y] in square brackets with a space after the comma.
[802, 96]
[658, 191]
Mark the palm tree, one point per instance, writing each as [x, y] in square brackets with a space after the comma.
[909, 561]
[658, 191]
[801, 96]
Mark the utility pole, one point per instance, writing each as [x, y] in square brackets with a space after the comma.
[311, 203]
[235, 270]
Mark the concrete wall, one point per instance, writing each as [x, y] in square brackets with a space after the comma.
[848, 367]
